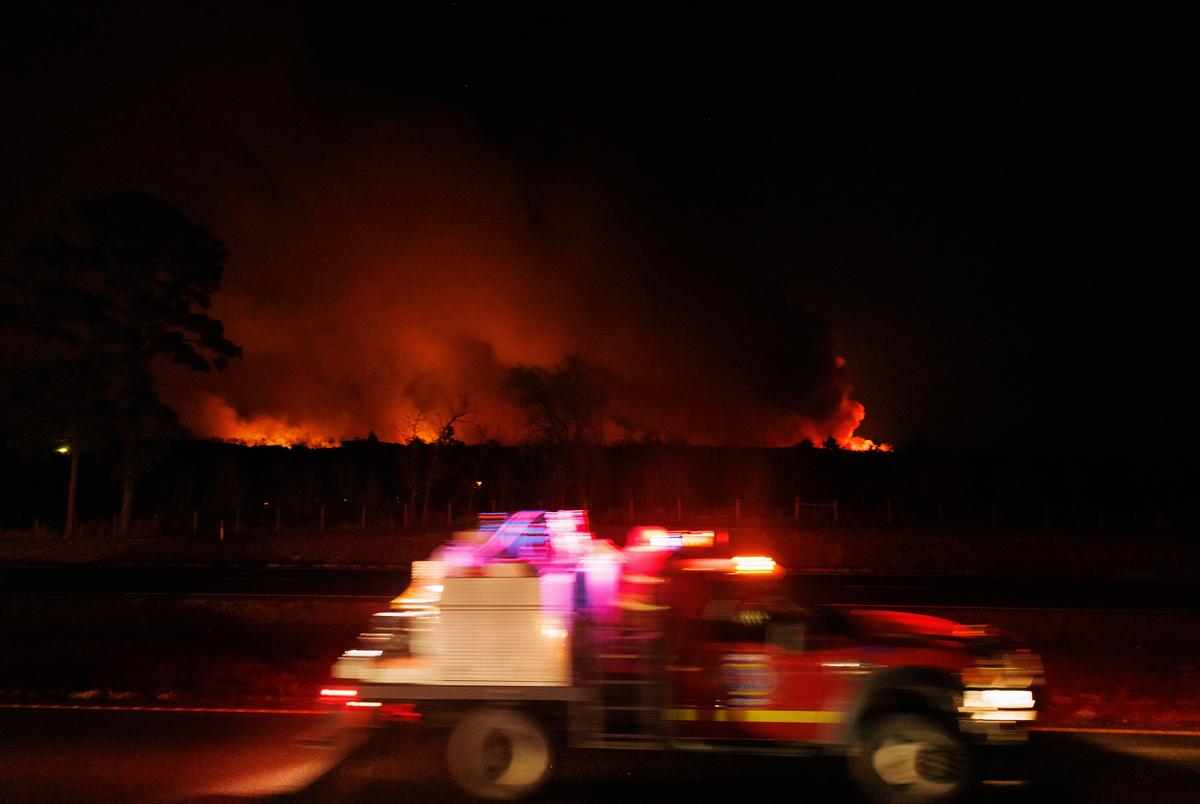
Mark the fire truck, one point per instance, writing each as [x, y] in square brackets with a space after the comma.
[531, 636]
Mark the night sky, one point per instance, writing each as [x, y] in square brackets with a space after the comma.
[995, 228]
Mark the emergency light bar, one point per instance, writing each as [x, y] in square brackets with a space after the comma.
[659, 539]
[698, 538]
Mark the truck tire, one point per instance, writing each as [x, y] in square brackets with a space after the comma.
[904, 759]
[498, 754]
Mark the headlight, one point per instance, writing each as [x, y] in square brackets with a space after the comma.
[998, 699]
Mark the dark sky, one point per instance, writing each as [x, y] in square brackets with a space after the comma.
[994, 228]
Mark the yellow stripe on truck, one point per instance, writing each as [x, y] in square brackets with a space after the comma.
[754, 715]
[680, 714]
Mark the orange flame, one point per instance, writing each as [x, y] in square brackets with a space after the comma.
[840, 426]
[215, 417]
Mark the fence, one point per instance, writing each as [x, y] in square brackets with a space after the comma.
[397, 515]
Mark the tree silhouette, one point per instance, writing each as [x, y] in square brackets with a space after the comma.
[562, 405]
[454, 413]
[125, 282]
[564, 408]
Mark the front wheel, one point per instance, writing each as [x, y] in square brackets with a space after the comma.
[498, 754]
[905, 759]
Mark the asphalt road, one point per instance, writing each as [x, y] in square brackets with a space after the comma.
[865, 589]
[165, 756]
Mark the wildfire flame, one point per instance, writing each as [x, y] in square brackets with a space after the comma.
[840, 426]
[212, 416]
[215, 417]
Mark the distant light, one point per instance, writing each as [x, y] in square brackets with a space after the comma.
[338, 692]
[478, 484]
[63, 450]
[371, 704]
[362, 654]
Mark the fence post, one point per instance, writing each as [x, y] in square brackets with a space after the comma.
[195, 521]
[362, 517]
[322, 526]
[493, 504]
[221, 530]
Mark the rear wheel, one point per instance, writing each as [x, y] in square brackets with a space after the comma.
[498, 754]
[905, 759]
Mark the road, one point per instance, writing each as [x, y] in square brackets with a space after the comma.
[86, 755]
[864, 589]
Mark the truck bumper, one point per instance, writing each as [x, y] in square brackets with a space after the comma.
[994, 731]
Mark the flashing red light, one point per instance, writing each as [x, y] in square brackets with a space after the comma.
[406, 712]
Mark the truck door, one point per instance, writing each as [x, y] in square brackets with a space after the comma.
[759, 668]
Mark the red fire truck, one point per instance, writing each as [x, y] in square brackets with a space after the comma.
[530, 636]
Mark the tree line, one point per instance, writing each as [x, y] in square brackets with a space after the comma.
[126, 282]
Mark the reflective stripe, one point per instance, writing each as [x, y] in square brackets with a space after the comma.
[754, 715]
[679, 714]
[785, 716]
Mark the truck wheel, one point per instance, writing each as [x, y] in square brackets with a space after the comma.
[904, 759]
[498, 754]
